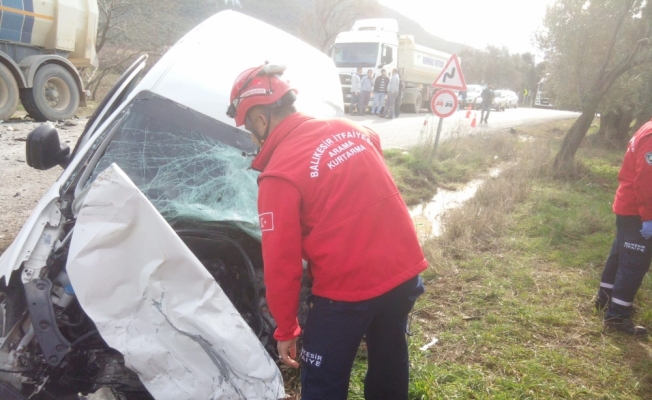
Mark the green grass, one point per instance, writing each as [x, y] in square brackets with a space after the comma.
[524, 257]
[418, 175]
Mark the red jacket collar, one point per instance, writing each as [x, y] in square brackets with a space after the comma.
[275, 137]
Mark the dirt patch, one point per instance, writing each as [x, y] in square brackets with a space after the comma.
[23, 186]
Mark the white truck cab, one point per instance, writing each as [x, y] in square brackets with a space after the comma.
[370, 44]
[376, 44]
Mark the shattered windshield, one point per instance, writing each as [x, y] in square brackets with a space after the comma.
[191, 167]
[355, 54]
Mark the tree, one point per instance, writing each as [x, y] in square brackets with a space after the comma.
[627, 101]
[590, 45]
[327, 18]
[129, 28]
[496, 65]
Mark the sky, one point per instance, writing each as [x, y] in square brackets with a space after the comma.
[478, 23]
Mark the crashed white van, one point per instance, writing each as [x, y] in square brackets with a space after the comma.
[139, 273]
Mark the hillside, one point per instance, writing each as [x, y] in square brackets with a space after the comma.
[288, 14]
[410, 27]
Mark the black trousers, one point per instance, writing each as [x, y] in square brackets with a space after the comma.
[627, 264]
[333, 333]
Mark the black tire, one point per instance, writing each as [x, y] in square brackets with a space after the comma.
[54, 96]
[8, 93]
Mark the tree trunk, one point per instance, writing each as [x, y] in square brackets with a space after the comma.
[573, 138]
[621, 135]
[614, 128]
[606, 121]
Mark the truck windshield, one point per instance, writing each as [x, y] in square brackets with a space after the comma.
[355, 54]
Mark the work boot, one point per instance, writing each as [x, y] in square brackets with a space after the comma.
[625, 325]
[601, 305]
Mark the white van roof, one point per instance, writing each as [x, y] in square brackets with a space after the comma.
[199, 70]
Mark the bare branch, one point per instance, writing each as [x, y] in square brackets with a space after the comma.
[607, 59]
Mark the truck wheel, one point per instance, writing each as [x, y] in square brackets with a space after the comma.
[54, 96]
[8, 93]
[416, 107]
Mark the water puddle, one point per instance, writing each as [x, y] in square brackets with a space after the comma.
[427, 216]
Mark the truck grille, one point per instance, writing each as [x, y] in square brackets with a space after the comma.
[345, 79]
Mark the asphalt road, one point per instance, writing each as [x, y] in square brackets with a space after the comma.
[405, 131]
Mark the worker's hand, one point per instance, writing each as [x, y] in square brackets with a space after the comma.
[646, 232]
[287, 349]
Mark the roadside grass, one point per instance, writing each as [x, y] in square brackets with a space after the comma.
[418, 174]
[511, 281]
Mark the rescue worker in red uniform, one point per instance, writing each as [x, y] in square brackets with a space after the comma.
[327, 197]
[631, 252]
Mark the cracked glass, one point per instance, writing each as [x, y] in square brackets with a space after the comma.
[191, 167]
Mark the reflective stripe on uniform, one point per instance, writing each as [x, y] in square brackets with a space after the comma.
[606, 285]
[621, 303]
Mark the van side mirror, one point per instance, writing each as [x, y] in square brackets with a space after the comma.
[43, 149]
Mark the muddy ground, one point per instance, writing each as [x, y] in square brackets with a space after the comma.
[22, 186]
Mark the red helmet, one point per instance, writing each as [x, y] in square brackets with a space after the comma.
[258, 86]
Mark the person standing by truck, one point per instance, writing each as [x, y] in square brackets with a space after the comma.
[380, 92]
[355, 89]
[339, 208]
[488, 96]
[366, 88]
[399, 97]
[392, 92]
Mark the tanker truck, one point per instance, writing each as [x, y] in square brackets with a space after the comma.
[376, 44]
[42, 45]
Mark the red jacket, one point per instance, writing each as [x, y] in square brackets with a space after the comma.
[326, 196]
[634, 194]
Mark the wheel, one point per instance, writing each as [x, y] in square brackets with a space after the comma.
[54, 95]
[8, 93]
[416, 107]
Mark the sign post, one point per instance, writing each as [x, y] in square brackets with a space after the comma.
[444, 103]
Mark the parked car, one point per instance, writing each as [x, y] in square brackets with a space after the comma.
[472, 93]
[512, 98]
[139, 272]
[500, 100]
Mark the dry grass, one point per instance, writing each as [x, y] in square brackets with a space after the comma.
[418, 173]
[510, 286]
[482, 220]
